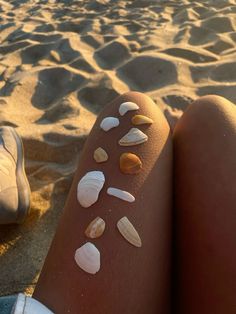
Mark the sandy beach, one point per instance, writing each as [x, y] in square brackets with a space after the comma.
[62, 61]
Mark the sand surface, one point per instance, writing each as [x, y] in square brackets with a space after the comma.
[62, 61]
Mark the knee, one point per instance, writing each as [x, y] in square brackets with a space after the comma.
[205, 114]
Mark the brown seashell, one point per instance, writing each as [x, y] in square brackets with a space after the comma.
[129, 232]
[130, 163]
[100, 155]
[96, 228]
[139, 119]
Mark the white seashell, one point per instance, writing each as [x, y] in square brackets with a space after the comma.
[96, 228]
[123, 195]
[109, 123]
[133, 137]
[127, 106]
[89, 187]
[87, 258]
[129, 232]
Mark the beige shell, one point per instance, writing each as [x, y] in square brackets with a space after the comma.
[129, 232]
[130, 163]
[139, 119]
[96, 228]
[133, 137]
[100, 155]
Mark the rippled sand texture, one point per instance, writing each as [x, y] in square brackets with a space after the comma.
[62, 61]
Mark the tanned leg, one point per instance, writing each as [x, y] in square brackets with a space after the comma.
[131, 280]
[205, 207]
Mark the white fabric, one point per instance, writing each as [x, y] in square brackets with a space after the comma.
[28, 305]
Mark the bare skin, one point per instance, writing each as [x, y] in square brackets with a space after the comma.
[205, 212]
[138, 280]
[131, 279]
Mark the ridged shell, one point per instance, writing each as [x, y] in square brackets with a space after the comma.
[127, 106]
[96, 228]
[133, 137]
[109, 123]
[139, 119]
[100, 155]
[129, 232]
[123, 195]
[89, 187]
[87, 258]
[130, 163]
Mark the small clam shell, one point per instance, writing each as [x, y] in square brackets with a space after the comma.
[129, 232]
[127, 106]
[87, 258]
[139, 119]
[123, 195]
[96, 228]
[130, 163]
[109, 123]
[133, 137]
[100, 155]
[89, 187]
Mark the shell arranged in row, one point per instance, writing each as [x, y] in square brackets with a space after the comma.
[100, 155]
[127, 106]
[129, 232]
[139, 119]
[109, 123]
[89, 187]
[123, 195]
[133, 137]
[130, 163]
[87, 258]
[96, 228]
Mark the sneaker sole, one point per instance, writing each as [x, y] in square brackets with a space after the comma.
[21, 180]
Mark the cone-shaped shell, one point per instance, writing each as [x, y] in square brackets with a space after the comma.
[100, 155]
[123, 195]
[127, 106]
[87, 258]
[89, 187]
[96, 228]
[130, 163]
[133, 137]
[109, 123]
[129, 232]
[139, 119]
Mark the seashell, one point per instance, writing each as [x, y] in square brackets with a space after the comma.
[89, 187]
[123, 195]
[100, 155]
[87, 258]
[129, 232]
[130, 163]
[133, 137]
[109, 123]
[139, 119]
[96, 228]
[127, 106]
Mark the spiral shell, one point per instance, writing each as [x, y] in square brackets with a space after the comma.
[89, 187]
